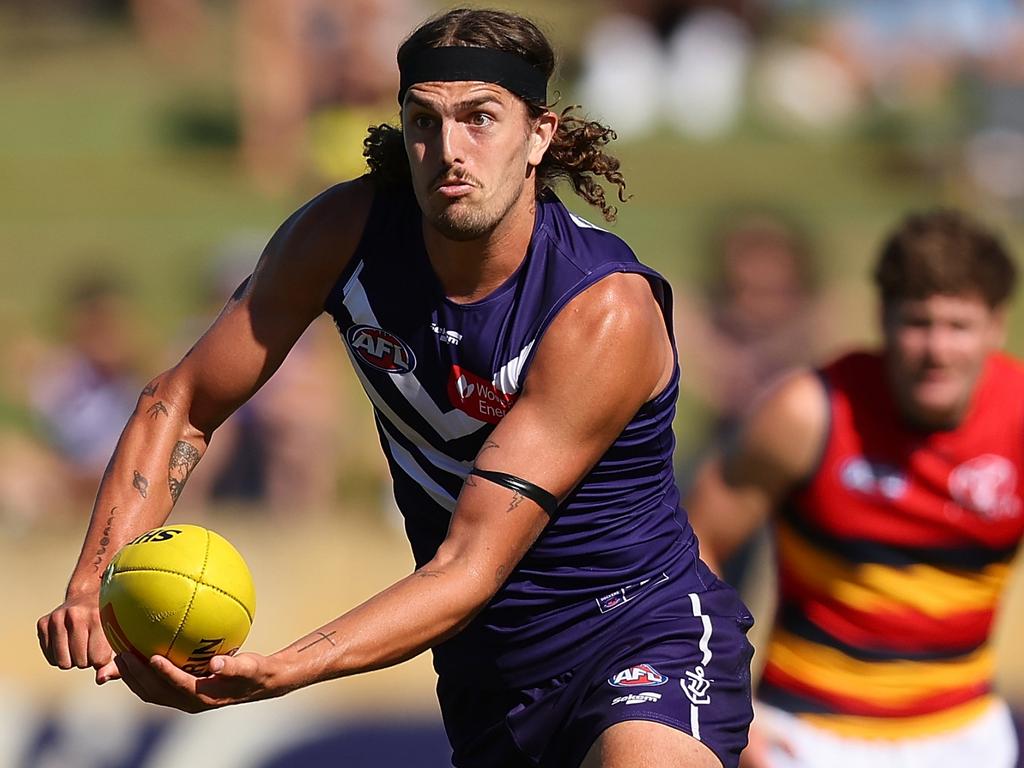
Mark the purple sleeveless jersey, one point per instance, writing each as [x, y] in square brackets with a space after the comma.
[440, 376]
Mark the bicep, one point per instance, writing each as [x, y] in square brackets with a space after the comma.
[238, 353]
[603, 357]
[265, 318]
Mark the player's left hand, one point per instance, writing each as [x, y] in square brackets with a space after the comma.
[233, 680]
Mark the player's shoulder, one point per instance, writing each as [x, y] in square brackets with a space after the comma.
[796, 398]
[336, 215]
[578, 238]
[314, 245]
[784, 431]
[1006, 366]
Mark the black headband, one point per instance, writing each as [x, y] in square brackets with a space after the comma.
[487, 65]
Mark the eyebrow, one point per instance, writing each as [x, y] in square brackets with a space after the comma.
[461, 106]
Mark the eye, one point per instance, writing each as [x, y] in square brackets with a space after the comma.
[481, 119]
[423, 122]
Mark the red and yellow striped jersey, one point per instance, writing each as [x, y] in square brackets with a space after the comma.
[893, 558]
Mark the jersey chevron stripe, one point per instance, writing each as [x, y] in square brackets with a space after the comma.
[450, 425]
[430, 453]
[451, 482]
[410, 467]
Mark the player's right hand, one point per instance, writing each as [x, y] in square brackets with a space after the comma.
[71, 636]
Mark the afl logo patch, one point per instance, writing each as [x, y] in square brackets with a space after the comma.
[380, 349]
[638, 675]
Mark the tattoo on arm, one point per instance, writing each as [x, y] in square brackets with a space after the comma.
[140, 483]
[517, 499]
[184, 458]
[151, 388]
[156, 409]
[499, 575]
[104, 542]
[323, 636]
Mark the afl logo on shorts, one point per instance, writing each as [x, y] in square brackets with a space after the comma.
[636, 676]
[380, 349]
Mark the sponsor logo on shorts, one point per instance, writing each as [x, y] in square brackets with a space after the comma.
[644, 697]
[636, 676]
[627, 593]
[696, 686]
[476, 396]
[380, 349]
[987, 486]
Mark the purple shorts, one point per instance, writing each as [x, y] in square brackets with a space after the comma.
[683, 661]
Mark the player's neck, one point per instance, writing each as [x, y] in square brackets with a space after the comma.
[470, 270]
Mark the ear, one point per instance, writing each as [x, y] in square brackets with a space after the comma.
[997, 326]
[542, 131]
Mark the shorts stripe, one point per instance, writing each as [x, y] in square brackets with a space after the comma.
[705, 648]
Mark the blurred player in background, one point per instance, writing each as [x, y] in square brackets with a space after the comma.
[523, 375]
[894, 480]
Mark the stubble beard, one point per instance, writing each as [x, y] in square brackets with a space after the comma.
[462, 222]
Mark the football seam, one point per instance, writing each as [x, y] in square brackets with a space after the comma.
[195, 591]
[199, 582]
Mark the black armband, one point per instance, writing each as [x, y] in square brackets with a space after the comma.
[534, 493]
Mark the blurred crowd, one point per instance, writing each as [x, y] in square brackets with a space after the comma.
[942, 80]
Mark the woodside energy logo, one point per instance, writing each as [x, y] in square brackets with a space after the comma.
[476, 396]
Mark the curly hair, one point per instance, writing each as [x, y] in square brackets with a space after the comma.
[576, 153]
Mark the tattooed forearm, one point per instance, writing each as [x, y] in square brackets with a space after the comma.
[156, 409]
[184, 458]
[140, 484]
[517, 499]
[104, 542]
[323, 636]
[151, 388]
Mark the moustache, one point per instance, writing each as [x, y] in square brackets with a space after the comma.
[452, 174]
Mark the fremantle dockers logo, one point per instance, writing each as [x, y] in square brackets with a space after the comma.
[380, 349]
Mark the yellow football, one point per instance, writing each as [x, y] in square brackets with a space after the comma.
[180, 591]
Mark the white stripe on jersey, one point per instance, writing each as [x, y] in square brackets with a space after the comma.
[450, 425]
[408, 464]
[582, 223]
[507, 377]
[440, 460]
